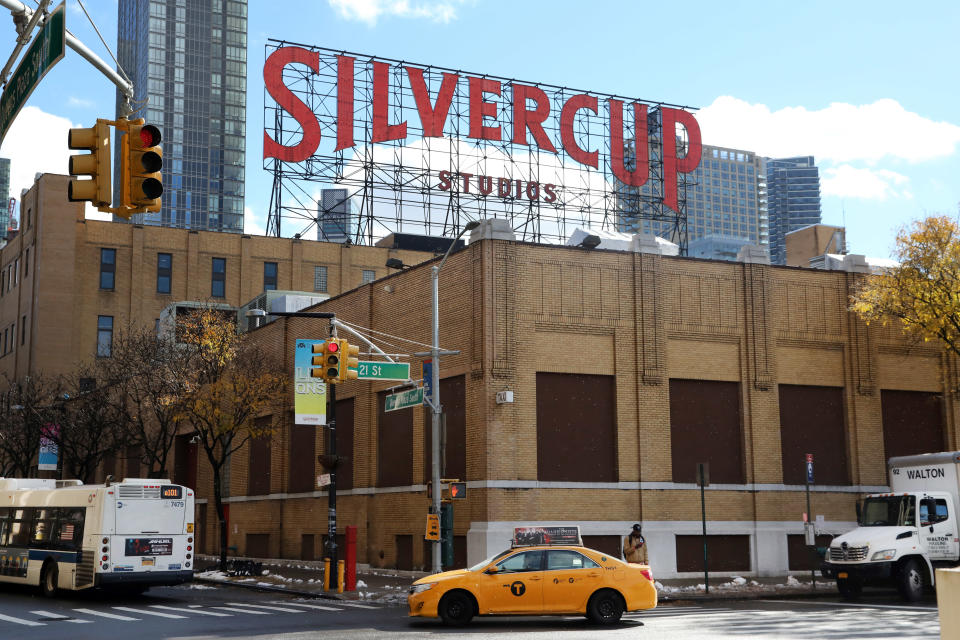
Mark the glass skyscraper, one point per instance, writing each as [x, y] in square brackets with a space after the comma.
[334, 219]
[4, 197]
[726, 203]
[187, 60]
[793, 199]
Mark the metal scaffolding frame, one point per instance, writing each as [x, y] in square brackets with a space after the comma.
[395, 185]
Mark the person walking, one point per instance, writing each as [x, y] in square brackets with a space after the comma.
[635, 547]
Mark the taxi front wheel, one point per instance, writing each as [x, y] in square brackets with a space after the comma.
[456, 609]
[605, 607]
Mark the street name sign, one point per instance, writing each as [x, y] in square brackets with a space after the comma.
[46, 50]
[378, 370]
[404, 399]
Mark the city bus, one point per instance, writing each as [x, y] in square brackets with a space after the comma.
[63, 534]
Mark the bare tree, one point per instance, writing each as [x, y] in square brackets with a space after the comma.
[234, 382]
[26, 409]
[151, 376]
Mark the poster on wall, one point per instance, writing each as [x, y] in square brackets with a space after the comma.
[310, 394]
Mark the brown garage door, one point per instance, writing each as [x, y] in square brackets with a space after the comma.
[576, 428]
[705, 427]
[724, 553]
[394, 446]
[453, 399]
[812, 421]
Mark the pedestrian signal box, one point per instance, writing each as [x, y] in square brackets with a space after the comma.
[458, 490]
[433, 527]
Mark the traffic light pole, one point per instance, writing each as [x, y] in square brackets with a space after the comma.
[435, 404]
[332, 488]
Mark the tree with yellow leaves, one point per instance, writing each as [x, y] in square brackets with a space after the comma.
[922, 293]
[231, 396]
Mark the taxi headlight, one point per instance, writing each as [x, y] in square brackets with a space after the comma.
[886, 554]
[420, 588]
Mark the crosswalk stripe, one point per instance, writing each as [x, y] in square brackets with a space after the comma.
[302, 604]
[263, 606]
[235, 610]
[104, 614]
[159, 614]
[59, 616]
[29, 623]
[191, 609]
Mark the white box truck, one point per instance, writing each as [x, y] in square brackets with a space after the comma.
[902, 536]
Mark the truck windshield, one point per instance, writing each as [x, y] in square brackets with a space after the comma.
[889, 511]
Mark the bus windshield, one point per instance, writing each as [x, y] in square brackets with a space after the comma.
[889, 511]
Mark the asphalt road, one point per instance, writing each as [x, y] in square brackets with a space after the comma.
[195, 612]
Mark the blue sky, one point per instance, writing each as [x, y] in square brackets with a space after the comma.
[868, 88]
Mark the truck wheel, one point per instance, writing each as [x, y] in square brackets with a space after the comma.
[911, 580]
[49, 575]
[849, 588]
[455, 609]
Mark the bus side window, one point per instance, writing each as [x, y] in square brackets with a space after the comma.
[69, 531]
[42, 524]
[4, 526]
[21, 526]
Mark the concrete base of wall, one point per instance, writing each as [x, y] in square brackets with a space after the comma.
[768, 541]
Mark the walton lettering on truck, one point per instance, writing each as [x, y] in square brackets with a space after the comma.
[904, 535]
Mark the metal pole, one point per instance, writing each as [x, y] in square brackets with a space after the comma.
[332, 488]
[435, 401]
[703, 515]
[809, 523]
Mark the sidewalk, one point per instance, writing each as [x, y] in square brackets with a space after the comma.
[389, 586]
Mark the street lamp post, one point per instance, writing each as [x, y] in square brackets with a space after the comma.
[435, 387]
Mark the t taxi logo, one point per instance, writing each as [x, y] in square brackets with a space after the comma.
[518, 588]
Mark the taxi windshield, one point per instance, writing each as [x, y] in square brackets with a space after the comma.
[478, 567]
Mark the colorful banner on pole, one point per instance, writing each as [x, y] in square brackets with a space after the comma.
[309, 394]
[47, 459]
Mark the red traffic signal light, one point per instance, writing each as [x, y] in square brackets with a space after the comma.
[326, 365]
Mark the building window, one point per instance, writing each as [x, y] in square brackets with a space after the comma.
[369, 275]
[23, 330]
[705, 426]
[319, 278]
[26, 264]
[218, 282]
[104, 336]
[164, 272]
[108, 268]
[269, 276]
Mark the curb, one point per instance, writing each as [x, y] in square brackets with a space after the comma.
[272, 589]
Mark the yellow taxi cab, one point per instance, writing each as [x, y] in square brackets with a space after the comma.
[545, 579]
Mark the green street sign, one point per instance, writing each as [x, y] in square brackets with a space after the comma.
[45, 51]
[404, 399]
[379, 370]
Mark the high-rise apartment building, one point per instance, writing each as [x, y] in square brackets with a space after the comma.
[187, 60]
[4, 197]
[725, 202]
[793, 199]
[334, 216]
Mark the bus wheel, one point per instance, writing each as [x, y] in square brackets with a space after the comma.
[48, 579]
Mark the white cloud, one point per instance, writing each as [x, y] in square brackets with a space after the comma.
[370, 10]
[254, 225]
[35, 143]
[74, 101]
[847, 181]
[838, 133]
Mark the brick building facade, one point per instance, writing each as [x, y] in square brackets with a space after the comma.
[63, 276]
[627, 370]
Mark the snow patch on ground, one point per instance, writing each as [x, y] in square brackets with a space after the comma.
[360, 584]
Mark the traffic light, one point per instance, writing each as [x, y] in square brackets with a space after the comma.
[458, 490]
[349, 361]
[327, 364]
[95, 164]
[433, 527]
[142, 160]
